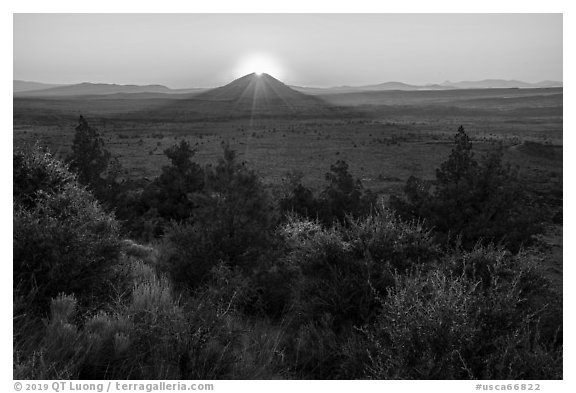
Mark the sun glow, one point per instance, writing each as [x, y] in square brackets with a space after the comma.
[259, 64]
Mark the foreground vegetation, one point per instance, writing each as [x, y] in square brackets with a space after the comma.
[238, 280]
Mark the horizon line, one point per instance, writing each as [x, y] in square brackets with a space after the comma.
[428, 84]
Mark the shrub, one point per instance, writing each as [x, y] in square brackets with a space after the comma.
[36, 172]
[343, 270]
[63, 240]
[298, 199]
[272, 282]
[424, 343]
[315, 351]
[332, 283]
[187, 254]
[437, 325]
[139, 220]
[61, 349]
[139, 340]
[491, 267]
[387, 240]
[153, 334]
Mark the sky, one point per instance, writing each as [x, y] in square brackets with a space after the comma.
[208, 50]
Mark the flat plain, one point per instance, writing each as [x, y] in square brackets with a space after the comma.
[391, 136]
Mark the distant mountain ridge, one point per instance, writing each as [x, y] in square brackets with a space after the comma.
[389, 86]
[488, 84]
[19, 86]
[37, 89]
[87, 89]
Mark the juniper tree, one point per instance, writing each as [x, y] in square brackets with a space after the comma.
[171, 193]
[89, 157]
[474, 200]
[232, 224]
[344, 195]
[236, 206]
[297, 198]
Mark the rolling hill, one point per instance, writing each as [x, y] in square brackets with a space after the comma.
[33, 89]
[19, 86]
[400, 86]
[471, 98]
[85, 89]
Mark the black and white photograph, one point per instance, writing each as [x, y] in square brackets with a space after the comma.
[287, 196]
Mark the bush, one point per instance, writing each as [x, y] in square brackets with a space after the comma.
[298, 199]
[154, 334]
[187, 254]
[61, 349]
[36, 173]
[138, 219]
[333, 283]
[315, 351]
[385, 239]
[138, 340]
[272, 282]
[63, 240]
[343, 270]
[459, 328]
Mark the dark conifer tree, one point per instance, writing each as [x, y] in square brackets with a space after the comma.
[474, 200]
[89, 158]
[236, 206]
[344, 195]
[171, 194]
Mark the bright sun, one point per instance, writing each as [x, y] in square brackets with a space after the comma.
[259, 64]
